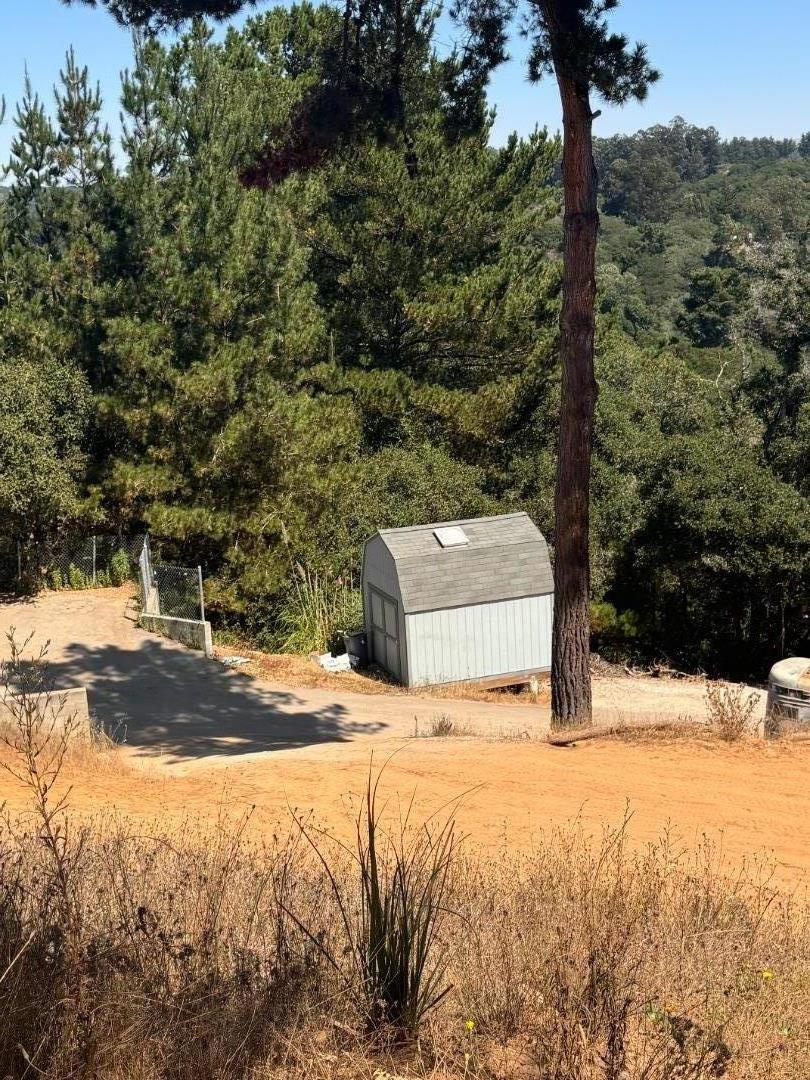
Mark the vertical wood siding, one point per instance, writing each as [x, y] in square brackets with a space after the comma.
[479, 641]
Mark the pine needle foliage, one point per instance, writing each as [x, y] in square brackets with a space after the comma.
[270, 375]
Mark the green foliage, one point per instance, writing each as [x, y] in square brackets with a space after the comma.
[266, 376]
[77, 579]
[759, 150]
[165, 13]
[574, 39]
[83, 147]
[316, 613]
[642, 174]
[691, 530]
[290, 337]
[120, 569]
[725, 267]
[612, 626]
[713, 300]
[675, 208]
[44, 411]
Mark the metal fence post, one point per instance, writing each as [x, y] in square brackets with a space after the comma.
[153, 585]
[94, 559]
[202, 599]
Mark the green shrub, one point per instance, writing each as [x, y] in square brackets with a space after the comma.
[77, 579]
[103, 579]
[120, 569]
[603, 618]
[56, 580]
[608, 624]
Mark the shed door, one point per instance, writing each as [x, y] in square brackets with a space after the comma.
[385, 632]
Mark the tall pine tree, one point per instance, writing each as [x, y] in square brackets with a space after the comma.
[571, 40]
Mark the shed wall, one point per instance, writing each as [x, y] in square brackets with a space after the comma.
[479, 641]
[380, 572]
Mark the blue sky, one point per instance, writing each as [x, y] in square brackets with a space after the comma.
[741, 65]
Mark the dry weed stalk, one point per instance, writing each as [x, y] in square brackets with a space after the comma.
[441, 726]
[38, 733]
[730, 709]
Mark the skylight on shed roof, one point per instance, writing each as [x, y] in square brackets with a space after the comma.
[451, 536]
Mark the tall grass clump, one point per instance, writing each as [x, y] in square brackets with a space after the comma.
[589, 960]
[318, 610]
[391, 907]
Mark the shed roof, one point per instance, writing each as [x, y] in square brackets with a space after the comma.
[506, 557]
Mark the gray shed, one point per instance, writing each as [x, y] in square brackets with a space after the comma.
[459, 600]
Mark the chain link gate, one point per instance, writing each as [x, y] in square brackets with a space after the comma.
[168, 589]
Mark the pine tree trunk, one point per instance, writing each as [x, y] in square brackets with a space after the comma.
[570, 666]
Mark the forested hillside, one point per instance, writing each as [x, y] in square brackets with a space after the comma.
[264, 351]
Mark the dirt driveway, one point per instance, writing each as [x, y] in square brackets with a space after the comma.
[172, 703]
[200, 734]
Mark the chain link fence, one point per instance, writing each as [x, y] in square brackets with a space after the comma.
[69, 561]
[94, 562]
[98, 560]
[168, 589]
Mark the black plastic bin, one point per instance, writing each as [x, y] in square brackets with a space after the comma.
[357, 648]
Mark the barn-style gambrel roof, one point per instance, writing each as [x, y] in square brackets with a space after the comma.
[500, 558]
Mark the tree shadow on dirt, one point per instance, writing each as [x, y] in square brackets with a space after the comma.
[7, 599]
[174, 703]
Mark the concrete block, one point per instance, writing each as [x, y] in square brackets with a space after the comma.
[192, 632]
[59, 705]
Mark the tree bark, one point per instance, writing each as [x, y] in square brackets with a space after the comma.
[570, 665]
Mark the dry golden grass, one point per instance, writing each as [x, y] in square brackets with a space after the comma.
[731, 710]
[137, 952]
[292, 670]
[655, 730]
[182, 954]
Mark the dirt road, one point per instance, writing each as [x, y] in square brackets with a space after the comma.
[170, 703]
[200, 738]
